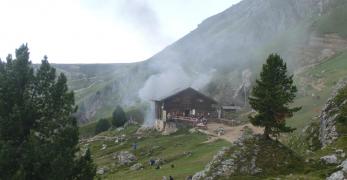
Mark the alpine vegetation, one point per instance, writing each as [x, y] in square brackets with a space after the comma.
[271, 96]
[38, 133]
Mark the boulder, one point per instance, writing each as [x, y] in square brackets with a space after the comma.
[219, 131]
[336, 176]
[343, 165]
[329, 159]
[136, 167]
[188, 153]
[102, 170]
[125, 158]
[199, 175]
[104, 146]
[341, 174]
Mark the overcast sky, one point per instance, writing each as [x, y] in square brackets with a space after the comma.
[99, 31]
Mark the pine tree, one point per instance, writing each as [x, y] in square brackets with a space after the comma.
[15, 111]
[118, 117]
[85, 169]
[38, 134]
[271, 96]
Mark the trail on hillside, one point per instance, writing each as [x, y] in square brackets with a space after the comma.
[231, 133]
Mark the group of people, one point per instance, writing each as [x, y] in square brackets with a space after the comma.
[152, 162]
[201, 118]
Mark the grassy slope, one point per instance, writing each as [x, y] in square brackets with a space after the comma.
[170, 148]
[173, 147]
[325, 76]
[329, 73]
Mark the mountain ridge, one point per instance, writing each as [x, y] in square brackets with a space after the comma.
[217, 51]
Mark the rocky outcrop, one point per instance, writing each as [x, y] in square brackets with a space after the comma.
[335, 158]
[311, 136]
[341, 174]
[136, 167]
[329, 159]
[125, 158]
[250, 155]
[241, 95]
[327, 130]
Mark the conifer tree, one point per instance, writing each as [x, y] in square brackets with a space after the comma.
[38, 134]
[118, 117]
[271, 96]
[85, 169]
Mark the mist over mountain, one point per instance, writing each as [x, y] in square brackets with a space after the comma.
[221, 57]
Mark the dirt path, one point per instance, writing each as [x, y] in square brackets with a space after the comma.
[232, 133]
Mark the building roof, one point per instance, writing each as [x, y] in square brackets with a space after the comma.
[182, 90]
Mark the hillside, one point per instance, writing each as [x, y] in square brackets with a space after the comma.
[220, 57]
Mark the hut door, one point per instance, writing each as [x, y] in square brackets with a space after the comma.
[186, 112]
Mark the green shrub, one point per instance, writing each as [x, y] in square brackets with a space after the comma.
[118, 117]
[102, 125]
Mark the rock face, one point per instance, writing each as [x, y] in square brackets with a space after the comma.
[336, 176]
[125, 158]
[242, 92]
[327, 131]
[341, 174]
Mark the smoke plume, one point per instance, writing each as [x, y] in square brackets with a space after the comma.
[171, 78]
[141, 16]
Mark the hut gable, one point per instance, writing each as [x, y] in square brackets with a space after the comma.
[188, 99]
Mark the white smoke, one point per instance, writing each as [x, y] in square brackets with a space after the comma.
[171, 79]
[159, 85]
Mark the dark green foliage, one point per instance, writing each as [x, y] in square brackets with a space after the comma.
[38, 134]
[102, 125]
[85, 168]
[118, 117]
[341, 103]
[271, 96]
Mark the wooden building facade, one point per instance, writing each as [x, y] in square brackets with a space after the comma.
[186, 105]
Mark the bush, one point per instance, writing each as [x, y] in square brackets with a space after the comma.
[102, 125]
[118, 117]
